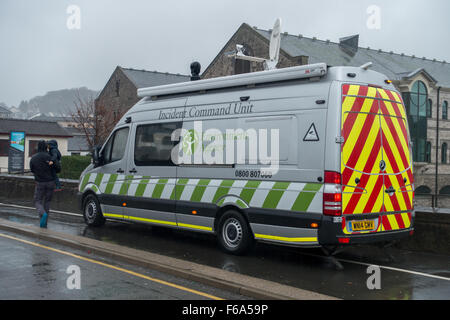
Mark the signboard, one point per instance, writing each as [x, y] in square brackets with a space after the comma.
[16, 155]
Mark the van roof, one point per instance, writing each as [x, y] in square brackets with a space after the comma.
[253, 78]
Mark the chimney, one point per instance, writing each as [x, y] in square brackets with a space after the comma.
[349, 44]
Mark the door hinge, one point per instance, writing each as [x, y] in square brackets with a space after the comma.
[339, 139]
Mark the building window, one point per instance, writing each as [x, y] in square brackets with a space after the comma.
[422, 190]
[429, 108]
[418, 109]
[445, 190]
[445, 110]
[428, 154]
[4, 148]
[444, 153]
[32, 147]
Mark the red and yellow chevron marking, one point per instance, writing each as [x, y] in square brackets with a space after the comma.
[395, 221]
[389, 222]
[374, 129]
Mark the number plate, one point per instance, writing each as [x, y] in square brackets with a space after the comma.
[361, 225]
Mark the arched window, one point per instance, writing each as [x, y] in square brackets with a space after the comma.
[243, 66]
[445, 190]
[444, 153]
[445, 110]
[418, 108]
[422, 190]
[429, 108]
[419, 95]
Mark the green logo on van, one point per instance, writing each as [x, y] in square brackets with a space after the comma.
[190, 142]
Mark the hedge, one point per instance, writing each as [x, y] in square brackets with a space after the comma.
[72, 166]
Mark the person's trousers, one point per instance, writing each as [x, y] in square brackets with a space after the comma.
[43, 194]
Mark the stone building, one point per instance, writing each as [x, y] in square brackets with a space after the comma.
[424, 85]
[120, 92]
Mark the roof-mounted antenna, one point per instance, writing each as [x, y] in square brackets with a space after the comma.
[274, 49]
[366, 66]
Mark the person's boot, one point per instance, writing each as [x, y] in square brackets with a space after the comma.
[43, 222]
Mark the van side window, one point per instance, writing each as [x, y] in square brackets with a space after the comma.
[153, 145]
[115, 147]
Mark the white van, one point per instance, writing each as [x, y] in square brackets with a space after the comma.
[326, 159]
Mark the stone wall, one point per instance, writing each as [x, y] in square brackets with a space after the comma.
[432, 230]
[118, 100]
[259, 47]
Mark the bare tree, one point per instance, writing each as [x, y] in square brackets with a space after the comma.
[94, 121]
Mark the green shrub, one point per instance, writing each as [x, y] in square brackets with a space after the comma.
[72, 166]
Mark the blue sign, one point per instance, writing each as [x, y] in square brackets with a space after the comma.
[16, 155]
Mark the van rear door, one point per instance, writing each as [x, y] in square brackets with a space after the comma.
[375, 155]
[361, 153]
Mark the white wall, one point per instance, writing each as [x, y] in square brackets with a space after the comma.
[62, 146]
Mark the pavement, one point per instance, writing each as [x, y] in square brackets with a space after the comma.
[225, 280]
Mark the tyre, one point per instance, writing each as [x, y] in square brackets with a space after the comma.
[234, 233]
[92, 212]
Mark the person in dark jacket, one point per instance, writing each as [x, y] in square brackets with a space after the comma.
[41, 166]
[56, 158]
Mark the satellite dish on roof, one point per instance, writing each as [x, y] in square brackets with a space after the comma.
[274, 49]
[275, 41]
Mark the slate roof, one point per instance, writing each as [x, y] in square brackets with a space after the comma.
[78, 141]
[5, 110]
[395, 66]
[31, 127]
[144, 78]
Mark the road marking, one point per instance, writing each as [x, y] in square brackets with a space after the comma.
[113, 267]
[24, 207]
[397, 269]
[343, 260]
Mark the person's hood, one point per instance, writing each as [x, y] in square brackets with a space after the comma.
[53, 144]
[42, 146]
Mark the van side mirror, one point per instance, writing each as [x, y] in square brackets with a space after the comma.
[97, 158]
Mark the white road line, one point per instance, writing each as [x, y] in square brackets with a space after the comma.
[396, 269]
[24, 207]
[342, 260]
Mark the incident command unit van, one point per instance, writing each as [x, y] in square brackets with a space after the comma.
[305, 156]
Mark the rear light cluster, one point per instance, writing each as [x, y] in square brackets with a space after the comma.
[332, 194]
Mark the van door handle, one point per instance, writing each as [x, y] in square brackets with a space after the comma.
[133, 170]
[390, 190]
[120, 171]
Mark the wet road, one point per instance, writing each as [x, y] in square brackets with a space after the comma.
[41, 270]
[411, 275]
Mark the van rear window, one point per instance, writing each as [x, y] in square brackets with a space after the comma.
[153, 144]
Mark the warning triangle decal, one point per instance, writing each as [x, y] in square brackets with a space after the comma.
[311, 134]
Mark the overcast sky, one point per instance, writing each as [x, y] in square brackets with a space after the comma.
[39, 53]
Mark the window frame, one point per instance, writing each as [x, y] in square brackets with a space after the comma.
[112, 137]
[154, 162]
[444, 149]
[6, 142]
[445, 107]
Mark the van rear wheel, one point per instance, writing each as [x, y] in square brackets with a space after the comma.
[92, 212]
[234, 233]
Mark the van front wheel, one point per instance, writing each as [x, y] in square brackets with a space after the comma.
[92, 213]
[234, 233]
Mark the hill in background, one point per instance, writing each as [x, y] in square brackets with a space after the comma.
[59, 102]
